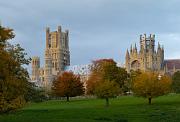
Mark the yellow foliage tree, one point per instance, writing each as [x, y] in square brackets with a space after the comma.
[150, 85]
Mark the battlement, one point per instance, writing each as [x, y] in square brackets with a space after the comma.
[145, 37]
[35, 58]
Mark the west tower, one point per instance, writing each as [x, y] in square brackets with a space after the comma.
[56, 56]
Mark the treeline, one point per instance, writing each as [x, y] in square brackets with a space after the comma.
[107, 80]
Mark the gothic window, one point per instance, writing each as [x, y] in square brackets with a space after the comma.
[135, 65]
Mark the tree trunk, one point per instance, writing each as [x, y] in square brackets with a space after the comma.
[149, 100]
[67, 98]
[107, 102]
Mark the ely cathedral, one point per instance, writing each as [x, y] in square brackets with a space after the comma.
[148, 58]
[56, 58]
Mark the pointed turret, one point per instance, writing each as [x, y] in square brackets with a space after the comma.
[135, 46]
[159, 49]
[127, 55]
[131, 49]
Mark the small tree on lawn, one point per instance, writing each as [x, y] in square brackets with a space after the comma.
[68, 85]
[176, 82]
[107, 89]
[105, 69]
[150, 85]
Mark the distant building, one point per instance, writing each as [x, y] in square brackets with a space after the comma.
[148, 58]
[171, 66]
[57, 57]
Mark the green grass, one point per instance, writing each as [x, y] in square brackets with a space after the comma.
[122, 109]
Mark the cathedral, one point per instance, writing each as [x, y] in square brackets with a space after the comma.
[150, 58]
[56, 58]
[147, 58]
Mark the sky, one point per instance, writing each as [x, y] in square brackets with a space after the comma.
[97, 28]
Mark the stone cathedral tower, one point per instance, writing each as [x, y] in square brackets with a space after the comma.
[147, 58]
[57, 57]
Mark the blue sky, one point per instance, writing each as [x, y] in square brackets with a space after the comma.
[98, 28]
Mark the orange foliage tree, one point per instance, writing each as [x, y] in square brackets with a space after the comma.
[105, 69]
[68, 85]
[150, 85]
[105, 80]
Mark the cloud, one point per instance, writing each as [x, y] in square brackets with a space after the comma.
[98, 28]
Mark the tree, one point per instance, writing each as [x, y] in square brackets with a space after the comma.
[105, 80]
[105, 69]
[127, 87]
[68, 85]
[13, 76]
[176, 82]
[35, 94]
[150, 85]
[107, 89]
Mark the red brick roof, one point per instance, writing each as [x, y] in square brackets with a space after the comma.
[171, 63]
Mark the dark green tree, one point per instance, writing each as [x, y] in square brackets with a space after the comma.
[176, 82]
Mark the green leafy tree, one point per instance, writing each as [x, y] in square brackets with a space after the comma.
[107, 89]
[150, 85]
[13, 76]
[35, 94]
[68, 85]
[176, 82]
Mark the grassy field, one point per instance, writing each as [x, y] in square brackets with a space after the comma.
[122, 109]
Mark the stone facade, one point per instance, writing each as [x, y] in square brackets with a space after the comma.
[57, 57]
[147, 58]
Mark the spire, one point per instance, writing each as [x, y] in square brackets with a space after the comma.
[135, 47]
[127, 54]
[131, 48]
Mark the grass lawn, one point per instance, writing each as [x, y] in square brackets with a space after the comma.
[122, 109]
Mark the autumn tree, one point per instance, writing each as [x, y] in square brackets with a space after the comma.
[68, 85]
[176, 82]
[150, 85]
[106, 79]
[107, 89]
[105, 69]
[127, 87]
[13, 76]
